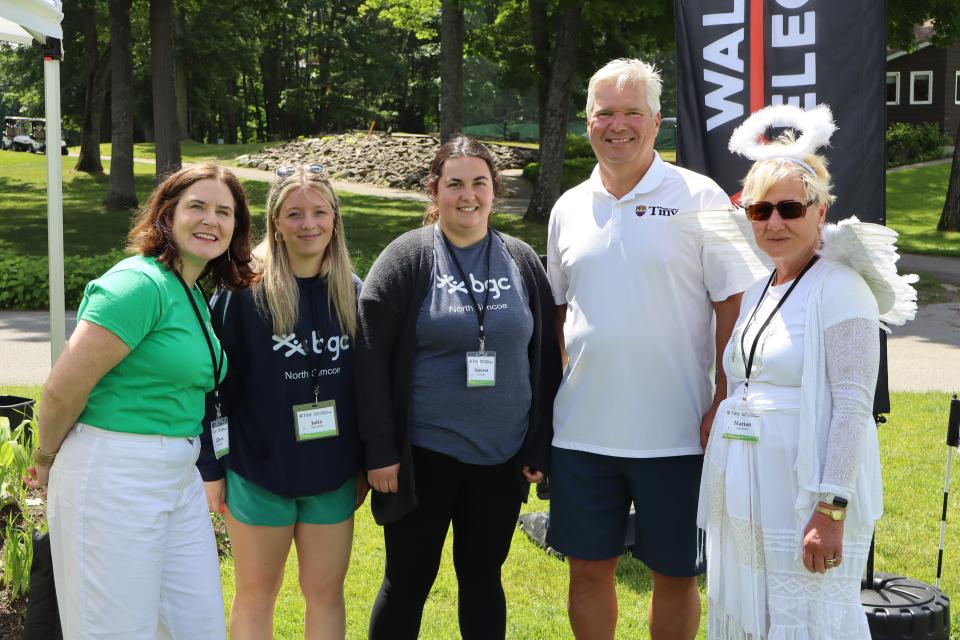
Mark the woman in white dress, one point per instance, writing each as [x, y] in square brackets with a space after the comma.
[791, 484]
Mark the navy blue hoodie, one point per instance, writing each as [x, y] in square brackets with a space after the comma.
[268, 375]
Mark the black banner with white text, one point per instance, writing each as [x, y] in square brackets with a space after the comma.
[737, 56]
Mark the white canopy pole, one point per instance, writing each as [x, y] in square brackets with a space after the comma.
[51, 102]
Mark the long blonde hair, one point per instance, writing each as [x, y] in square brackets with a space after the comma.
[276, 290]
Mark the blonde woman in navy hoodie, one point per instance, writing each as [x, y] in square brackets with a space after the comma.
[280, 454]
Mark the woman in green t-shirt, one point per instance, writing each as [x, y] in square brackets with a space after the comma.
[133, 551]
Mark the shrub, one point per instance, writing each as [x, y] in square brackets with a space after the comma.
[24, 280]
[575, 171]
[578, 147]
[18, 527]
[908, 143]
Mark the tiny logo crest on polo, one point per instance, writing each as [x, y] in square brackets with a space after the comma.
[654, 210]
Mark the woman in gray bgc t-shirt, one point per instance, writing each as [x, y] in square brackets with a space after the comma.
[456, 369]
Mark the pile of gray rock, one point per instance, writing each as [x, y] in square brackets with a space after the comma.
[400, 162]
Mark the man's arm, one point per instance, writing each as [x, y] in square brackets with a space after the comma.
[560, 316]
[727, 312]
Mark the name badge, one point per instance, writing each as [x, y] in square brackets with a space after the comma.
[481, 368]
[739, 424]
[221, 437]
[315, 420]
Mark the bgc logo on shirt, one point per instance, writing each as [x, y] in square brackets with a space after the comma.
[654, 210]
[332, 344]
[494, 285]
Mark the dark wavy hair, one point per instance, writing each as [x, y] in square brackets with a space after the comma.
[458, 146]
[152, 234]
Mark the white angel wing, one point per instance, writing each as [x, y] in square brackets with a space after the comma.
[871, 250]
[727, 233]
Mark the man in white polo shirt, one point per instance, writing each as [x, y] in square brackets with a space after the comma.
[636, 297]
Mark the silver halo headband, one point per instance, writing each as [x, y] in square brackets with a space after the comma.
[797, 161]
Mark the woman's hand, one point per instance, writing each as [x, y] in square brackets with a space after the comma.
[363, 488]
[533, 477]
[216, 495]
[706, 422]
[384, 479]
[37, 477]
[822, 541]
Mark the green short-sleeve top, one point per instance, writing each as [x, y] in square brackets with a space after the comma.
[159, 388]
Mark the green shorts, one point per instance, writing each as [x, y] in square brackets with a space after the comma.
[251, 504]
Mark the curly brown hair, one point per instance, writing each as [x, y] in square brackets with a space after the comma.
[152, 234]
[459, 146]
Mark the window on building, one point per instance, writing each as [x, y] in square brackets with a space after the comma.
[956, 88]
[893, 87]
[921, 87]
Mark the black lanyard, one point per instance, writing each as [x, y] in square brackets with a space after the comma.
[480, 310]
[746, 327]
[217, 366]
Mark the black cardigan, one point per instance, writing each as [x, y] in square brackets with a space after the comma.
[390, 301]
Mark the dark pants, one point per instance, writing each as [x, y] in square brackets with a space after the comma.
[483, 503]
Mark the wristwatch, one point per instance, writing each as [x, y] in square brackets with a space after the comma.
[837, 501]
[834, 514]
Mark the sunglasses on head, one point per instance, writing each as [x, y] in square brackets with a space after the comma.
[789, 210]
[289, 169]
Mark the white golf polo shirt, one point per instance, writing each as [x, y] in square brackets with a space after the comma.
[639, 324]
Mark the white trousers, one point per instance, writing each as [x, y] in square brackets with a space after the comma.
[134, 555]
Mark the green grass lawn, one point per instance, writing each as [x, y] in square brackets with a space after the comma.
[90, 229]
[193, 151]
[913, 457]
[915, 200]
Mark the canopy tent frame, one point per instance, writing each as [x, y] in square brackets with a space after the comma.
[37, 23]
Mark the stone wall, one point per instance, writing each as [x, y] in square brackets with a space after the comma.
[400, 162]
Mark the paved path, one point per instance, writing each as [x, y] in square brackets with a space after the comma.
[943, 268]
[924, 355]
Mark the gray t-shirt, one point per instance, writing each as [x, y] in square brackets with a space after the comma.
[478, 425]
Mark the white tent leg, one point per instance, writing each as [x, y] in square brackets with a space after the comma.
[51, 76]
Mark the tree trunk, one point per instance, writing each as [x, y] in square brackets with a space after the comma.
[950, 218]
[96, 72]
[540, 37]
[166, 129]
[272, 86]
[121, 193]
[182, 80]
[244, 109]
[232, 116]
[553, 131]
[451, 69]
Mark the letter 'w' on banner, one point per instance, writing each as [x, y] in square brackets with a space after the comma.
[735, 57]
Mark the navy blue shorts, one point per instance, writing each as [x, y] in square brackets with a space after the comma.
[590, 498]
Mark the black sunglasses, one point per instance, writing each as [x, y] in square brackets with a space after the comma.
[789, 210]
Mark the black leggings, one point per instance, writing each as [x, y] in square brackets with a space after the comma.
[483, 503]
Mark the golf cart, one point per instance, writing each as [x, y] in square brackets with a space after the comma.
[39, 142]
[16, 134]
